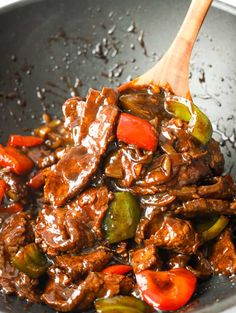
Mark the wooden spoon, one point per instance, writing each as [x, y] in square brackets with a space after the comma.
[172, 71]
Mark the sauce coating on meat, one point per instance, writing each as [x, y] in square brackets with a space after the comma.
[102, 211]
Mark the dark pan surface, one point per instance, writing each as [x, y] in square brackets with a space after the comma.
[53, 48]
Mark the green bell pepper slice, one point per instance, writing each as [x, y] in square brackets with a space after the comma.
[31, 261]
[122, 217]
[212, 227]
[199, 124]
[121, 304]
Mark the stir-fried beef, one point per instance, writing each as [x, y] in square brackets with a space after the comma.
[216, 161]
[93, 204]
[178, 260]
[62, 230]
[173, 233]
[75, 226]
[200, 266]
[144, 188]
[77, 266]
[223, 254]
[145, 258]
[221, 187]
[16, 233]
[65, 296]
[17, 188]
[72, 110]
[204, 206]
[73, 171]
[126, 165]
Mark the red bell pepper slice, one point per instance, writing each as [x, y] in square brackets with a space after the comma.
[118, 269]
[11, 208]
[18, 162]
[3, 188]
[24, 141]
[168, 290]
[37, 181]
[135, 130]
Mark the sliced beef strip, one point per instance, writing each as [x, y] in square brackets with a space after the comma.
[71, 174]
[145, 258]
[129, 160]
[16, 233]
[75, 226]
[63, 295]
[221, 187]
[223, 254]
[178, 260]
[72, 110]
[18, 190]
[204, 206]
[77, 266]
[193, 173]
[216, 161]
[94, 204]
[27, 287]
[173, 233]
[61, 230]
[200, 266]
[41, 155]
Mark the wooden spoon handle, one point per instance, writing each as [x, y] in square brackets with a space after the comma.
[172, 71]
[192, 22]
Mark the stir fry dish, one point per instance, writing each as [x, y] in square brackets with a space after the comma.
[120, 206]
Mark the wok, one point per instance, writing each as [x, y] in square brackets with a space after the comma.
[52, 49]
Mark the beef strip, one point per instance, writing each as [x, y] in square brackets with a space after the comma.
[42, 155]
[216, 160]
[127, 163]
[200, 266]
[221, 187]
[71, 174]
[173, 233]
[18, 190]
[62, 230]
[223, 254]
[74, 226]
[72, 110]
[63, 295]
[93, 204]
[77, 266]
[27, 287]
[145, 258]
[16, 233]
[204, 206]
[178, 260]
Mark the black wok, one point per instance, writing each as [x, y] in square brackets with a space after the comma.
[52, 49]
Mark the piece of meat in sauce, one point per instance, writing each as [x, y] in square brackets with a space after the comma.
[63, 295]
[223, 254]
[202, 206]
[145, 258]
[16, 233]
[75, 226]
[126, 164]
[71, 174]
[221, 187]
[18, 190]
[77, 266]
[172, 233]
